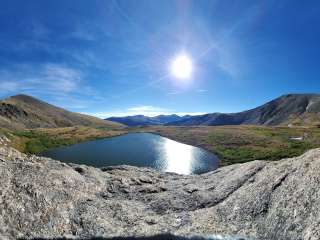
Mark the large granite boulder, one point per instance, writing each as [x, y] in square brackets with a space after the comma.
[40, 197]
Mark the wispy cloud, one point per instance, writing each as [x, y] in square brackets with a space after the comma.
[46, 79]
[149, 111]
[175, 92]
[202, 90]
[58, 78]
[7, 86]
[62, 85]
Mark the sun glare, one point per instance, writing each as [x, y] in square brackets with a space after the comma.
[179, 157]
[181, 67]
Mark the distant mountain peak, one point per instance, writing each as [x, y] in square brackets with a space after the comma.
[141, 120]
[301, 109]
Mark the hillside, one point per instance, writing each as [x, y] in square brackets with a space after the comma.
[141, 120]
[296, 109]
[22, 111]
[43, 198]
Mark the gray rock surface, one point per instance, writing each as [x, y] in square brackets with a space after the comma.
[40, 197]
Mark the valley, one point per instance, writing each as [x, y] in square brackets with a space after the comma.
[43, 126]
[41, 139]
[243, 143]
[232, 144]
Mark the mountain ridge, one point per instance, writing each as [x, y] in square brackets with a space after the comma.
[300, 109]
[142, 120]
[22, 111]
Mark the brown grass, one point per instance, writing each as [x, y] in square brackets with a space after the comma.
[235, 144]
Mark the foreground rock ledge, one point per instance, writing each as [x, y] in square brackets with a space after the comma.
[40, 197]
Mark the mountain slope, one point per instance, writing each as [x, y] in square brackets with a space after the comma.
[300, 109]
[22, 111]
[141, 120]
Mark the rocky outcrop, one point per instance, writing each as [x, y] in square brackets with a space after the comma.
[41, 197]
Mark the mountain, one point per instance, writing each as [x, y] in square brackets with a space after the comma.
[297, 109]
[22, 111]
[141, 120]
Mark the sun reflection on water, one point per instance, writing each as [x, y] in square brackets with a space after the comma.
[178, 156]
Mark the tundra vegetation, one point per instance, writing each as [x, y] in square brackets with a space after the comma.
[243, 143]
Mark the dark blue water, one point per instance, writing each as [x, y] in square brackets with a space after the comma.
[138, 149]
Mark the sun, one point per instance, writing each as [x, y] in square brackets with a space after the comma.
[181, 67]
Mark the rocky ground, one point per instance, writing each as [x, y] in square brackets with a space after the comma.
[40, 197]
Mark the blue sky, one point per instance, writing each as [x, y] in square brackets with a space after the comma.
[113, 57]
